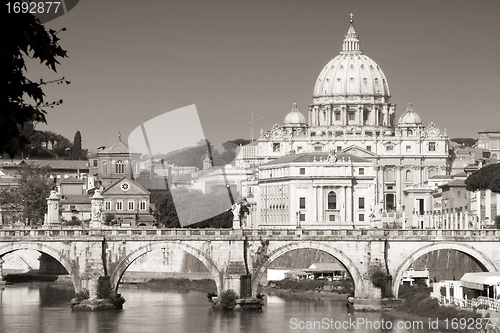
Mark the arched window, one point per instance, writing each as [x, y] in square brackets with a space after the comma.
[332, 200]
[408, 177]
[120, 167]
[104, 167]
[410, 132]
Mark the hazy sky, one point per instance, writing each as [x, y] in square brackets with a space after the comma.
[130, 61]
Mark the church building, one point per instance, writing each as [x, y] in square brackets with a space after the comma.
[351, 115]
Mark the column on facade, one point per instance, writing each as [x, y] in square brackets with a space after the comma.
[315, 202]
[398, 187]
[343, 215]
[349, 205]
[455, 224]
[321, 203]
[343, 115]
[478, 204]
[328, 115]
[403, 224]
[487, 205]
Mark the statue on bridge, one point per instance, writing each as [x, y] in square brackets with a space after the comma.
[240, 211]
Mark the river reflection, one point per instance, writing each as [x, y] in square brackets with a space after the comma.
[45, 308]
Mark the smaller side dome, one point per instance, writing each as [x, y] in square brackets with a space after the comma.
[294, 118]
[410, 117]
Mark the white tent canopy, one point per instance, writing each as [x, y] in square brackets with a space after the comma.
[479, 280]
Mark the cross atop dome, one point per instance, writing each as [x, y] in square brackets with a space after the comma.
[409, 107]
[351, 40]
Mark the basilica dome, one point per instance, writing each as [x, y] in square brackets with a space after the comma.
[294, 118]
[410, 117]
[351, 73]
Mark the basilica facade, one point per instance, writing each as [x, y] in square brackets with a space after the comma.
[350, 161]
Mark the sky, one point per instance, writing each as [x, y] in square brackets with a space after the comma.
[131, 61]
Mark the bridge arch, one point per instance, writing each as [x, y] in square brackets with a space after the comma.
[122, 266]
[54, 253]
[337, 254]
[466, 249]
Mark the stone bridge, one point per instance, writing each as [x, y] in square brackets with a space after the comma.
[230, 254]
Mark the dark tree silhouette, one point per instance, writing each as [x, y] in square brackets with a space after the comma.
[76, 150]
[21, 36]
[488, 177]
[467, 142]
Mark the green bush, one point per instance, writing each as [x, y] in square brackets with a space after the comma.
[228, 299]
[81, 295]
[378, 276]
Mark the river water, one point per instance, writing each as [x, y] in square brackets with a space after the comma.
[46, 309]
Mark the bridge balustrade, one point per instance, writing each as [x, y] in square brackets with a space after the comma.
[26, 232]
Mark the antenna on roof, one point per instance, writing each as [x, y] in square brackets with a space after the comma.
[253, 121]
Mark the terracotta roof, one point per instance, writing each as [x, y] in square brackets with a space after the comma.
[454, 183]
[119, 147]
[316, 157]
[60, 164]
[72, 180]
[441, 177]
[75, 199]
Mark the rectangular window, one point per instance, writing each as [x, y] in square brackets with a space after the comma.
[352, 116]
[432, 146]
[318, 148]
[337, 116]
[302, 217]
[302, 203]
[459, 194]
[361, 217]
[361, 203]
[339, 148]
[119, 205]
[276, 147]
[143, 205]
[361, 171]
[131, 205]
[332, 218]
[408, 148]
[302, 171]
[299, 148]
[94, 163]
[389, 148]
[369, 148]
[107, 205]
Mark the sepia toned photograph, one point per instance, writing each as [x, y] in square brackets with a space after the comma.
[250, 166]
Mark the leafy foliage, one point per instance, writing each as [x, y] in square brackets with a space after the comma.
[228, 299]
[418, 302]
[467, 142]
[21, 36]
[488, 177]
[82, 295]
[29, 196]
[378, 276]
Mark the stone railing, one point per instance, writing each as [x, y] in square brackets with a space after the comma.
[480, 303]
[324, 234]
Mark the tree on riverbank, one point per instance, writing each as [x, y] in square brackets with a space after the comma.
[29, 196]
